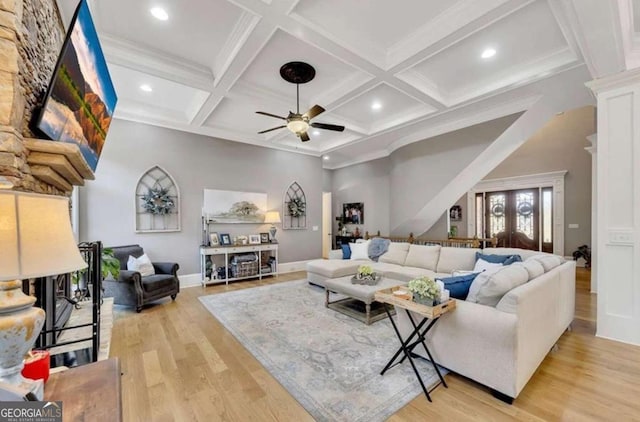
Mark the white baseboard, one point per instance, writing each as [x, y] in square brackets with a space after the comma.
[190, 280]
[290, 267]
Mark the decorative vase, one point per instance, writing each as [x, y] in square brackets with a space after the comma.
[427, 301]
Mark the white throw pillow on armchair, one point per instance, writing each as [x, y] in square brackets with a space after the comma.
[360, 250]
[142, 265]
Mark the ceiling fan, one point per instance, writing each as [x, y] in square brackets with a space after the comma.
[300, 73]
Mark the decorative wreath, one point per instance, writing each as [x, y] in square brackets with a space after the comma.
[158, 201]
[297, 207]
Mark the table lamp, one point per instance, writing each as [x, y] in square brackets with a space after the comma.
[272, 217]
[36, 241]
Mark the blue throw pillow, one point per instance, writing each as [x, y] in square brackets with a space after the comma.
[499, 259]
[458, 286]
[346, 251]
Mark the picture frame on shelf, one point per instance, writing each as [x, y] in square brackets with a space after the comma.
[225, 239]
[264, 237]
[254, 239]
[214, 240]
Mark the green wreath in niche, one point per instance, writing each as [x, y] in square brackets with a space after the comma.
[158, 202]
[297, 207]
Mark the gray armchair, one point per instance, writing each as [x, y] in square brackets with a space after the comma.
[133, 289]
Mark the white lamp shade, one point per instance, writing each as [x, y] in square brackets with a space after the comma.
[36, 238]
[272, 217]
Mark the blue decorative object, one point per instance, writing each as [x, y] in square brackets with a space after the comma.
[377, 247]
[499, 259]
[458, 286]
[346, 251]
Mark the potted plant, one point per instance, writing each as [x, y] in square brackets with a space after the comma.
[109, 266]
[366, 275]
[425, 291]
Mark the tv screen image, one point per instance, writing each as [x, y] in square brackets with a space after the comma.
[81, 99]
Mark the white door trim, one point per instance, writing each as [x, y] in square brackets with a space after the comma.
[553, 179]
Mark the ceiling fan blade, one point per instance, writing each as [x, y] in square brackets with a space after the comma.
[273, 128]
[304, 137]
[314, 111]
[270, 115]
[327, 126]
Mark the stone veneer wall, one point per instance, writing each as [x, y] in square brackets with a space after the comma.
[31, 35]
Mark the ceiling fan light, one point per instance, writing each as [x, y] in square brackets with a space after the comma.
[298, 126]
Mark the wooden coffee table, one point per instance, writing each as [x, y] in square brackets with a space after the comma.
[357, 293]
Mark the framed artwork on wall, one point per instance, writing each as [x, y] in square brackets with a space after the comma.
[455, 213]
[353, 213]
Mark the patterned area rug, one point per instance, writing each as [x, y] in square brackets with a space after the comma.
[328, 361]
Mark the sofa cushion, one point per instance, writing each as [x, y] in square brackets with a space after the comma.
[346, 251]
[489, 287]
[533, 267]
[334, 268]
[524, 253]
[384, 268]
[423, 256]
[482, 265]
[548, 261]
[458, 286]
[359, 250]
[452, 259]
[396, 253]
[409, 273]
[151, 283]
[499, 259]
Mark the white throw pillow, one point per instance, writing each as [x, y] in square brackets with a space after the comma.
[142, 265]
[482, 265]
[360, 250]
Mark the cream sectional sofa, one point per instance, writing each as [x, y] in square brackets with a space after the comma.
[498, 346]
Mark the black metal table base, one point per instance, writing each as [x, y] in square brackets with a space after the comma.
[407, 346]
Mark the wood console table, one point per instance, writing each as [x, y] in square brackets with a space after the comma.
[88, 393]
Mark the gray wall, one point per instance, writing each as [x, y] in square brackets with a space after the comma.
[439, 230]
[107, 205]
[421, 170]
[559, 145]
[367, 183]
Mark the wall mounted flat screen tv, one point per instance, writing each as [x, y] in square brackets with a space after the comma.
[80, 100]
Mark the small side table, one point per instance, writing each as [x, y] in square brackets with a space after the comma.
[89, 392]
[429, 316]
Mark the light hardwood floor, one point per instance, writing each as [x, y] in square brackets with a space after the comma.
[180, 364]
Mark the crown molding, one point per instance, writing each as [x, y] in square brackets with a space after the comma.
[618, 80]
[156, 63]
[241, 31]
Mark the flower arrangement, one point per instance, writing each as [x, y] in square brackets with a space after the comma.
[424, 290]
[158, 201]
[365, 275]
[297, 207]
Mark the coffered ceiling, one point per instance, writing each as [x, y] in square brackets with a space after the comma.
[389, 71]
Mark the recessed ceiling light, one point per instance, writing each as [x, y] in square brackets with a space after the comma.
[316, 132]
[488, 53]
[159, 13]
[326, 157]
[376, 105]
[146, 88]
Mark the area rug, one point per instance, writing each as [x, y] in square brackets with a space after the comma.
[328, 361]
